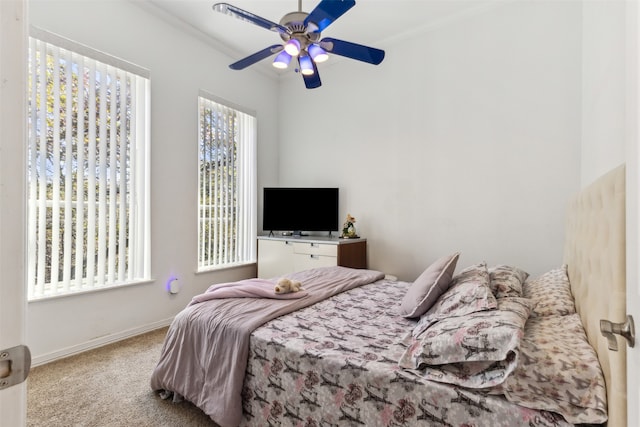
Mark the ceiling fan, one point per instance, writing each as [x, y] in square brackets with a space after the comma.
[300, 32]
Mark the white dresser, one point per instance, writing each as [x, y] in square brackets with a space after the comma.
[278, 256]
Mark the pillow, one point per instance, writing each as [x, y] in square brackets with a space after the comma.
[477, 350]
[506, 281]
[473, 272]
[429, 286]
[552, 293]
[468, 293]
[558, 371]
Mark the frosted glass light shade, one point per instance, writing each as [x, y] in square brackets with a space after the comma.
[317, 53]
[292, 47]
[282, 60]
[306, 67]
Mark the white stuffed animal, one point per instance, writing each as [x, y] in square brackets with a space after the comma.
[284, 286]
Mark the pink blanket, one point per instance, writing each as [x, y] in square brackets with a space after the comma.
[204, 356]
[248, 288]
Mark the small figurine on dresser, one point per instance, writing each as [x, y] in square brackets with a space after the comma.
[349, 229]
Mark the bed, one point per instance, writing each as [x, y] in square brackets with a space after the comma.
[460, 346]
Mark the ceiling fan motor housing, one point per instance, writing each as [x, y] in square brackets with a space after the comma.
[294, 21]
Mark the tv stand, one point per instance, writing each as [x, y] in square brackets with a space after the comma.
[282, 255]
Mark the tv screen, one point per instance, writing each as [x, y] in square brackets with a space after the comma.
[300, 209]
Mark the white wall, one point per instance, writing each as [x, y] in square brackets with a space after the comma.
[604, 87]
[466, 137]
[180, 65]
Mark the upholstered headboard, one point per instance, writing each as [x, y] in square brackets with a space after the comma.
[595, 255]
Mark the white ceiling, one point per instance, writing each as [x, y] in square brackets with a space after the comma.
[372, 23]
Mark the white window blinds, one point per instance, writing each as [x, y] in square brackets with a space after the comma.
[226, 185]
[87, 172]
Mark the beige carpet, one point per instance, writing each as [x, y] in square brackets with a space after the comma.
[107, 387]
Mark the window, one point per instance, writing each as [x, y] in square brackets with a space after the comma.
[87, 169]
[227, 185]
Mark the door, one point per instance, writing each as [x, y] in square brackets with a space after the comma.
[633, 290]
[633, 211]
[13, 48]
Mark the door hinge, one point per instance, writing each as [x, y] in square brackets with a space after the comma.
[15, 364]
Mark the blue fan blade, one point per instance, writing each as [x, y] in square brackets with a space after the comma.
[351, 50]
[326, 12]
[258, 56]
[312, 81]
[249, 17]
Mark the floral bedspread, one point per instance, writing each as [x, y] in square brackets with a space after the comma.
[336, 364]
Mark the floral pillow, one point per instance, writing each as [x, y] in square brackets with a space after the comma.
[552, 293]
[475, 272]
[477, 350]
[558, 371]
[506, 281]
[469, 292]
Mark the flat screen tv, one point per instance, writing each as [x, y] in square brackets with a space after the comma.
[295, 210]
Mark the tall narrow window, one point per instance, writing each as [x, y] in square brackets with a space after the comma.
[87, 169]
[226, 185]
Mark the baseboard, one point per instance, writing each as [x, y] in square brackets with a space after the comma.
[98, 342]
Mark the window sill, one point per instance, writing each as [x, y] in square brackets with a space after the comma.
[205, 270]
[89, 291]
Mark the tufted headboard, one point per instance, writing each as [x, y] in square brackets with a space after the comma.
[595, 255]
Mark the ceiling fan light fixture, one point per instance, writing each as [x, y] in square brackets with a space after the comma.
[306, 66]
[282, 60]
[317, 53]
[292, 47]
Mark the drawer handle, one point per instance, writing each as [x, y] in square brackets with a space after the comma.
[314, 245]
[313, 256]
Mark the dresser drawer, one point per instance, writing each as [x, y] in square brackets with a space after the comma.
[315, 249]
[307, 261]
